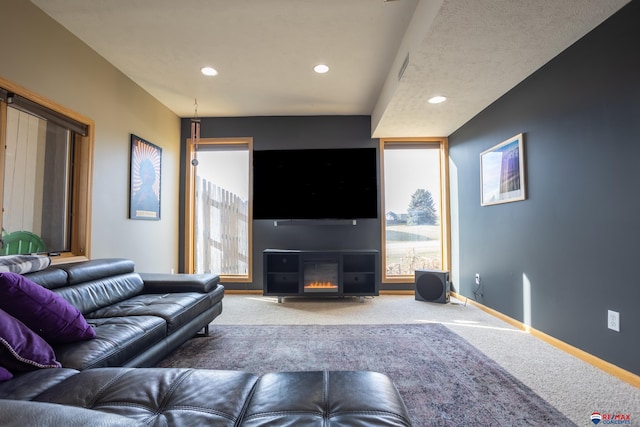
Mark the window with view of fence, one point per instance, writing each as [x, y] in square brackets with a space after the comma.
[221, 230]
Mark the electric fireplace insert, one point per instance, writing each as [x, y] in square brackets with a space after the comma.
[321, 276]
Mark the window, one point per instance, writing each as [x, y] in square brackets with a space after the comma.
[218, 217]
[415, 227]
[46, 180]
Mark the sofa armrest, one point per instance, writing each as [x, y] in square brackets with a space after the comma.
[159, 283]
[30, 413]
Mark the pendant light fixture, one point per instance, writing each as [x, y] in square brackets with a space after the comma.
[195, 133]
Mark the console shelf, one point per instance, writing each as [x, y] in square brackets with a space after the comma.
[321, 273]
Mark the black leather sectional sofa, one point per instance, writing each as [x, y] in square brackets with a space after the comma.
[140, 318]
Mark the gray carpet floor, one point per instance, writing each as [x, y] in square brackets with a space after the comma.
[574, 387]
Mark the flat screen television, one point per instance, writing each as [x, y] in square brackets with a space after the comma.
[315, 184]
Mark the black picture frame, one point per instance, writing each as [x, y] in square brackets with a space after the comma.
[145, 175]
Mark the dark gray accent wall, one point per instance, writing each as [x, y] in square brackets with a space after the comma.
[568, 253]
[297, 132]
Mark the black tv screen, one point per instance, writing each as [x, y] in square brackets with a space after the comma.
[315, 184]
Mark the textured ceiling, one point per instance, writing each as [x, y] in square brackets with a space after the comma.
[472, 51]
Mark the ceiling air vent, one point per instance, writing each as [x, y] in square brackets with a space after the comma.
[403, 67]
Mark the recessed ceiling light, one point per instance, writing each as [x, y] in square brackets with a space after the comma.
[209, 71]
[437, 99]
[321, 68]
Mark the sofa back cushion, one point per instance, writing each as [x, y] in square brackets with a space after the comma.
[93, 284]
[97, 269]
[50, 278]
[61, 275]
[94, 294]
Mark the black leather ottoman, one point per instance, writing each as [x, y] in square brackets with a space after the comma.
[335, 398]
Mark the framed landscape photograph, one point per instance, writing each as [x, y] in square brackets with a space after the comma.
[502, 177]
[145, 172]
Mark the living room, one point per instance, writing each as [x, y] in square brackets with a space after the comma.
[556, 262]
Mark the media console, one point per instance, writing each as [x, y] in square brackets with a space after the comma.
[321, 273]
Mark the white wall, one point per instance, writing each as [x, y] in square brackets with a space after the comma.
[43, 57]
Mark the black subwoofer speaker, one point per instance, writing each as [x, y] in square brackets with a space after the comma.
[432, 286]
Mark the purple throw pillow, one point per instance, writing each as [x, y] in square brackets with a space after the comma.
[21, 349]
[43, 311]
[5, 375]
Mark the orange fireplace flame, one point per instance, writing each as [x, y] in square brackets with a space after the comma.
[323, 285]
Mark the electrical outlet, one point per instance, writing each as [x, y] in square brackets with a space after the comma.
[477, 279]
[613, 320]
